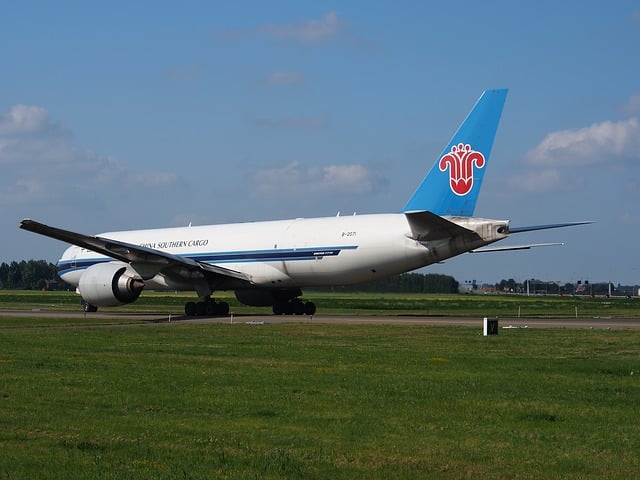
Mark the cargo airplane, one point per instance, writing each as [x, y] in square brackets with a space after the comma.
[268, 263]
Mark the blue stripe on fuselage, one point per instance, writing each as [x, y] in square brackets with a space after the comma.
[291, 254]
[68, 266]
[271, 255]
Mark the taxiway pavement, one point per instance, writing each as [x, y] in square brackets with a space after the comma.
[102, 319]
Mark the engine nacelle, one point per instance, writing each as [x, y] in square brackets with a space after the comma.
[263, 297]
[110, 284]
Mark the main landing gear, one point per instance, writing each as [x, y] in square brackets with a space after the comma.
[208, 307]
[295, 306]
[88, 308]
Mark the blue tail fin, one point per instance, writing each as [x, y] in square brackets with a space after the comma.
[452, 185]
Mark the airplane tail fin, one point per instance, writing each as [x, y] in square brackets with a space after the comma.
[452, 185]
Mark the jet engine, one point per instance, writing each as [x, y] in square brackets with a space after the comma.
[110, 284]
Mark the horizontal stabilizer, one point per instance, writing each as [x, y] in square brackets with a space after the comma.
[427, 226]
[533, 228]
[506, 248]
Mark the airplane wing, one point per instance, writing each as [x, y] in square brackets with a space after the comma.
[153, 260]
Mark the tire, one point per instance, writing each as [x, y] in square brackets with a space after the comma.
[88, 308]
[190, 309]
[298, 307]
[309, 308]
[223, 309]
[288, 308]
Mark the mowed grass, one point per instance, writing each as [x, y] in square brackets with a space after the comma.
[505, 306]
[316, 401]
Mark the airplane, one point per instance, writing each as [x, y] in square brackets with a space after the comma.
[268, 263]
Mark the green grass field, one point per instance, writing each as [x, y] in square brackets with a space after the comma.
[504, 306]
[315, 401]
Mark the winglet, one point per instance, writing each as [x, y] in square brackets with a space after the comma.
[452, 185]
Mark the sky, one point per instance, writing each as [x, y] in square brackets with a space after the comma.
[127, 115]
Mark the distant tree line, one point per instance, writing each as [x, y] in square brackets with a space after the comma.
[545, 287]
[27, 275]
[34, 274]
[406, 283]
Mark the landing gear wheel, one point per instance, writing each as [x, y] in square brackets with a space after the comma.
[295, 306]
[201, 309]
[309, 308]
[223, 309]
[190, 309]
[88, 308]
[208, 308]
[298, 307]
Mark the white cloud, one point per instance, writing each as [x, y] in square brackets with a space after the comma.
[29, 138]
[348, 178]
[23, 189]
[554, 160]
[599, 143]
[24, 119]
[328, 28]
[297, 179]
[40, 164]
[537, 181]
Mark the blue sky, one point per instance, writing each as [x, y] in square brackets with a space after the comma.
[147, 114]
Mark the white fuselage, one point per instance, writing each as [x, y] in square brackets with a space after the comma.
[302, 252]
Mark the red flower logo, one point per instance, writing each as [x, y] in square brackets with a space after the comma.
[460, 162]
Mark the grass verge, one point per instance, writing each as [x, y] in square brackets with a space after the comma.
[317, 401]
[504, 306]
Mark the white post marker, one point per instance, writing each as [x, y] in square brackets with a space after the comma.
[490, 326]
